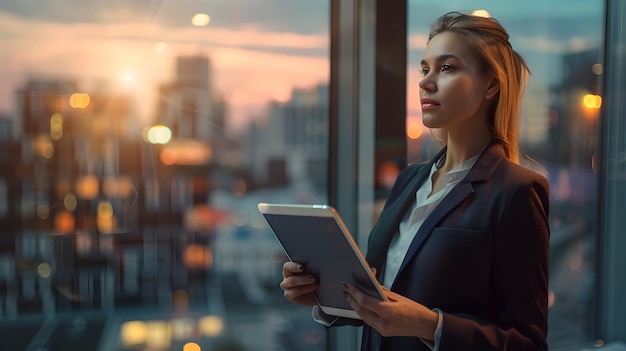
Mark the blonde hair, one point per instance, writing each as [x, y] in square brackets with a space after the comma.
[490, 43]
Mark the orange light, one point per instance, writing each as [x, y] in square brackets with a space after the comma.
[185, 152]
[80, 100]
[64, 222]
[413, 129]
[191, 346]
[388, 173]
[198, 256]
[117, 186]
[592, 101]
[87, 187]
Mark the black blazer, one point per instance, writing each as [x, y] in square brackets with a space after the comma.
[481, 257]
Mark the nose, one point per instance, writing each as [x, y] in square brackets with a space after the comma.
[427, 84]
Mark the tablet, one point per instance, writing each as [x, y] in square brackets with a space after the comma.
[316, 237]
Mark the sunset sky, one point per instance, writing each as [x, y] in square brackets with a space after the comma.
[133, 48]
[260, 50]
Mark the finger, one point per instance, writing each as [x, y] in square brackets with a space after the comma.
[361, 298]
[297, 280]
[390, 295]
[368, 316]
[290, 268]
[298, 292]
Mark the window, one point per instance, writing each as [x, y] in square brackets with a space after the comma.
[143, 136]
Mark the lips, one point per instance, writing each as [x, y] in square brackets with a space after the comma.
[428, 104]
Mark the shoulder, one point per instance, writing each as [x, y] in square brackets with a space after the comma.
[523, 187]
[496, 176]
[516, 174]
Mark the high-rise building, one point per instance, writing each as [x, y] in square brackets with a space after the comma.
[292, 146]
[188, 105]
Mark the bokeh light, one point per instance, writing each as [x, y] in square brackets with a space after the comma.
[413, 128]
[87, 187]
[80, 100]
[597, 69]
[183, 328]
[64, 222]
[159, 336]
[191, 346]
[43, 211]
[56, 126]
[211, 325]
[133, 333]
[592, 101]
[481, 13]
[159, 134]
[44, 270]
[70, 202]
[200, 19]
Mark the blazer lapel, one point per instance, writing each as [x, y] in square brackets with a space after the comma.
[454, 198]
[481, 171]
[387, 225]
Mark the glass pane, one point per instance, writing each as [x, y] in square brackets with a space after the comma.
[136, 138]
[562, 46]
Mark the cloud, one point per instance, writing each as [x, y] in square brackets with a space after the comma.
[251, 67]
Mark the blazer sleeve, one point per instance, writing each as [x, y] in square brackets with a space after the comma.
[521, 280]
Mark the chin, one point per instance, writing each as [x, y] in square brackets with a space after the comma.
[430, 124]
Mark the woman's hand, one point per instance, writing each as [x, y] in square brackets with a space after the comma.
[399, 316]
[297, 285]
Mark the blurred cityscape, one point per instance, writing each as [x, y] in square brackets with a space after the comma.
[113, 240]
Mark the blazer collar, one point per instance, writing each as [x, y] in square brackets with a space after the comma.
[486, 164]
[388, 225]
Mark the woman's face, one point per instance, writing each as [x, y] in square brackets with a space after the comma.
[454, 92]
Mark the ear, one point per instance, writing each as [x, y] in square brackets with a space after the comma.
[492, 89]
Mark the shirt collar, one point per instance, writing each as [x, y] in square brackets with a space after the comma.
[457, 173]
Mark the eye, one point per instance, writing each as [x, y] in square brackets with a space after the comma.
[424, 71]
[446, 67]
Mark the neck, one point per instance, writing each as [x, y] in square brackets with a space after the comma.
[460, 150]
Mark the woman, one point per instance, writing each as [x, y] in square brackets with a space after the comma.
[461, 245]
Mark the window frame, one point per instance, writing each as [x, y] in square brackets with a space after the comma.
[612, 179]
[367, 114]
